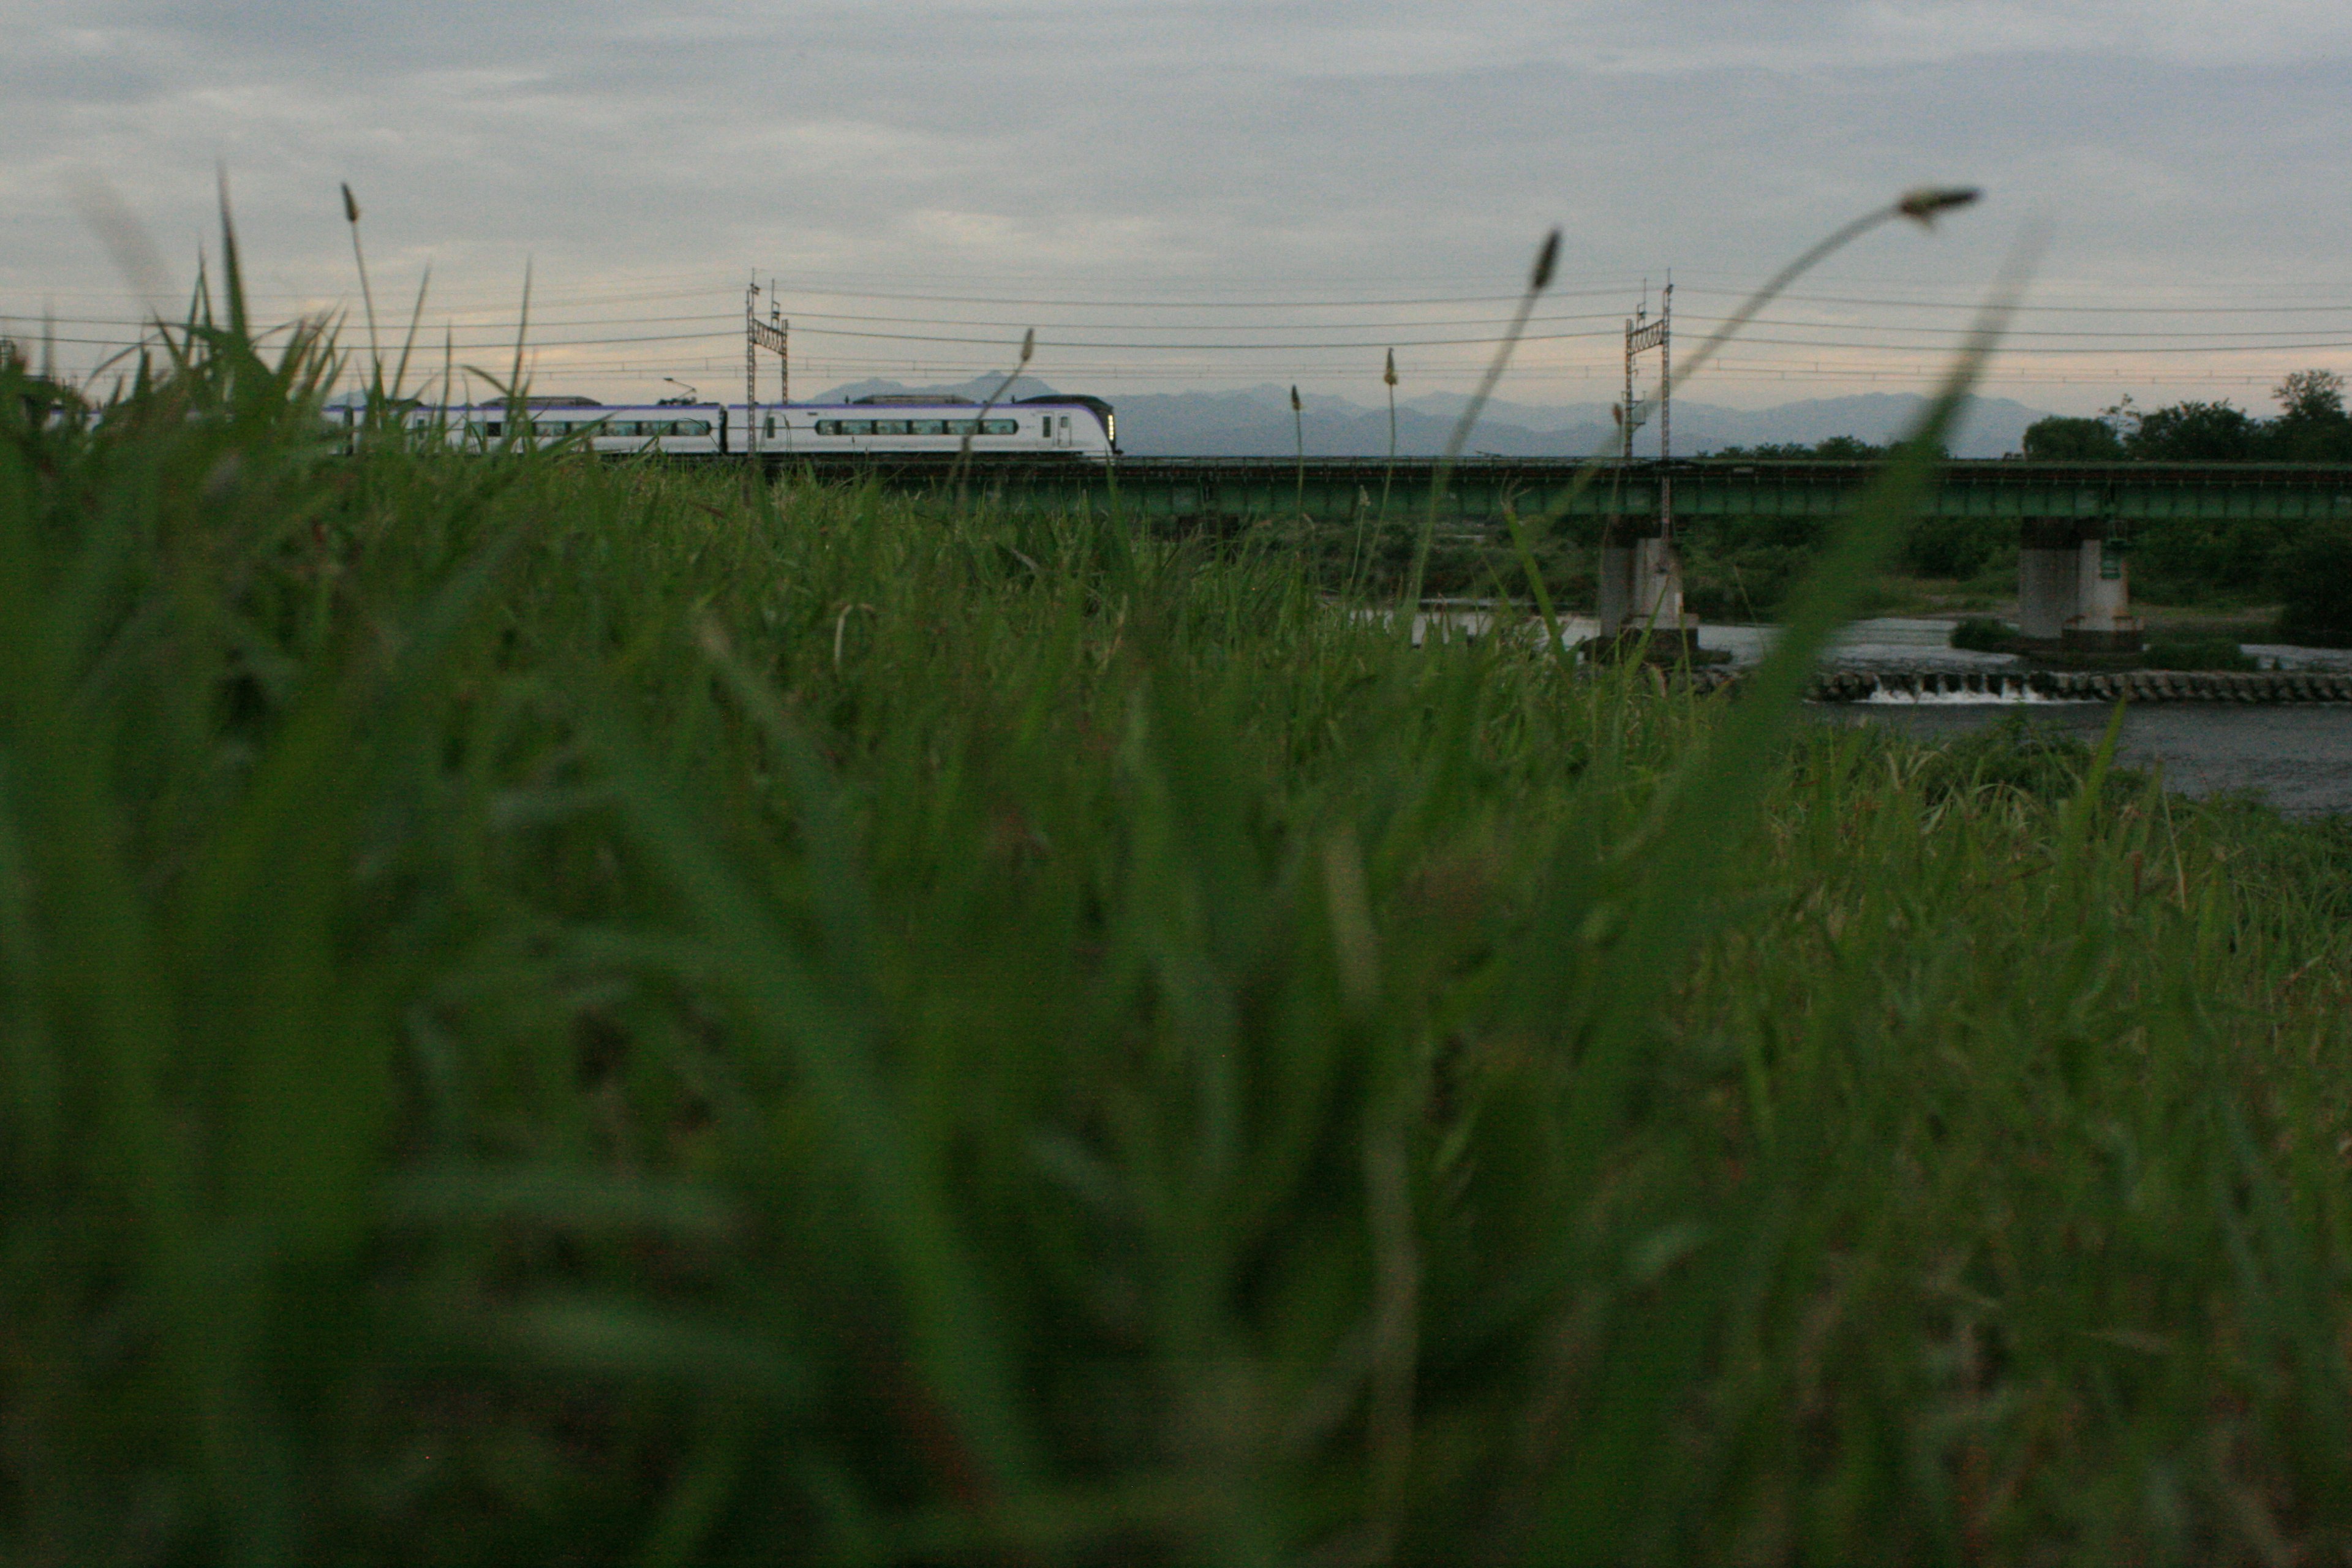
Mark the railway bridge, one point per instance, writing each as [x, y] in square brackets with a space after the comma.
[2075, 520]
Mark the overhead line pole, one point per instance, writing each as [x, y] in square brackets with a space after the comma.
[1641, 580]
[772, 333]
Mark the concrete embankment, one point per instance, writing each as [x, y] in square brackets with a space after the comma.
[2063, 686]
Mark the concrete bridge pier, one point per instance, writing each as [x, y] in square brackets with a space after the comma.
[1641, 592]
[2073, 587]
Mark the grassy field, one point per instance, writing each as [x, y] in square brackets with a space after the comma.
[560, 1011]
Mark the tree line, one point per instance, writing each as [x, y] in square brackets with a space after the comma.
[2311, 426]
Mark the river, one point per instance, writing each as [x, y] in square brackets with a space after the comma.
[2297, 756]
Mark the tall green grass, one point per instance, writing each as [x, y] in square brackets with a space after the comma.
[560, 1011]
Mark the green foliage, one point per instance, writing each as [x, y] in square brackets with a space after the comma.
[2197, 653]
[2194, 433]
[1833, 448]
[2019, 759]
[2059, 440]
[2309, 397]
[2312, 426]
[2314, 580]
[1983, 634]
[2208, 561]
[1960, 548]
[560, 1011]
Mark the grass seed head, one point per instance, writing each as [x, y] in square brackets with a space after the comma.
[1922, 203]
[1389, 375]
[1547, 259]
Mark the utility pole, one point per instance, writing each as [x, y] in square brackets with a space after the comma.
[1641, 579]
[751, 371]
[1666, 411]
[783, 344]
[772, 333]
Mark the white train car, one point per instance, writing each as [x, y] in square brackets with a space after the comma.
[1057, 425]
[1054, 425]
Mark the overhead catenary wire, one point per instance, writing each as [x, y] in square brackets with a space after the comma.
[1012, 328]
[852, 329]
[1354, 346]
[556, 293]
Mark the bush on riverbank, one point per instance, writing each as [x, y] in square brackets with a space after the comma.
[2315, 587]
[575, 1012]
[2195, 653]
[1980, 634]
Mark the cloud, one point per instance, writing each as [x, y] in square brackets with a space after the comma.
[1178, 149]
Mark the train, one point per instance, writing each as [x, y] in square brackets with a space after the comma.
[1055, 425]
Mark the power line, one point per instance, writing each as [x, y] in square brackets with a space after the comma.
[1356, 346]
[429, 334]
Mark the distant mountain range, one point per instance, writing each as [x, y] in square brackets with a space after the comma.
[1256, 422]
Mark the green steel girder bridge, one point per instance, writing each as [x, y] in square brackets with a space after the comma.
[1214, 492]
[2073, 520]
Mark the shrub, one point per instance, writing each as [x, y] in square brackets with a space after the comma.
[2059, 440]
[1981, 634]
[2314, 586]
[1956, 547]
[2197, 653]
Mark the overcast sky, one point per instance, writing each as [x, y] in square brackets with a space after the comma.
[1182, 181]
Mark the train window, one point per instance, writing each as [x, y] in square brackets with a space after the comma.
[889, 428]
[772, 426]
[927, 427]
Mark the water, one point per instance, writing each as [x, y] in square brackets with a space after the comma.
[2299, 758]
[1889, 642]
